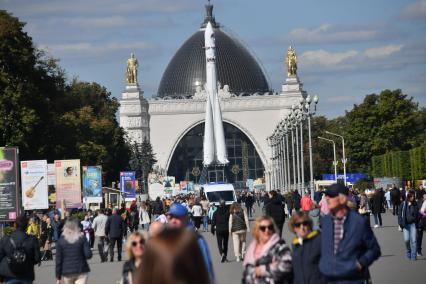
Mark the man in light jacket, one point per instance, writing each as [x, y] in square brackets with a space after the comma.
[99, 224]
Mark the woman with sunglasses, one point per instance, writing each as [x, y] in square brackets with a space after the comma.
[135, 248]
[306, 250]
[268, 259]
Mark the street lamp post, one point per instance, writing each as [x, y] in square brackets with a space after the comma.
[307, 113]
[334, 155]
[344, 160]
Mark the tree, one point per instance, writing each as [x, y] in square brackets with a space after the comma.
[381, 123]
[147, 158]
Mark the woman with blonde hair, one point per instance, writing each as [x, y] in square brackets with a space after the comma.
[135, 248]
[238, 227]
[268, 259]
[306, 250]
[172, 257]
[72, 253]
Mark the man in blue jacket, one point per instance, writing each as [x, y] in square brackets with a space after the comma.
[348, 245]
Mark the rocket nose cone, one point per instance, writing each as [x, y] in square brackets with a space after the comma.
[209, 30]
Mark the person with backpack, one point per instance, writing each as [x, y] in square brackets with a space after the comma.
[18, 254]
[238, 227]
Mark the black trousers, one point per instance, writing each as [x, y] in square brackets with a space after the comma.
[112, 242]
[250, 211]
[395, 208]
[222, 242]
[420, 230]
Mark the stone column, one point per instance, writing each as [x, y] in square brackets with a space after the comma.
[134, 116]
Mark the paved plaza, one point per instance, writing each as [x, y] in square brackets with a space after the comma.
[392, 267]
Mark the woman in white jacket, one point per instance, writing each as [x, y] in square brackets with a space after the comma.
[144, 219]
[238, 228]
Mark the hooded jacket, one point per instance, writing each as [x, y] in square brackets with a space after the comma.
[275, 209]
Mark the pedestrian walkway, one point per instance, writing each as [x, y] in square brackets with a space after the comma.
[392, 267]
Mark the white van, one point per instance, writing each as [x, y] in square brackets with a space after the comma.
[214, 192]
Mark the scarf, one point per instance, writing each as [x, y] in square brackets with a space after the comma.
[250, 258]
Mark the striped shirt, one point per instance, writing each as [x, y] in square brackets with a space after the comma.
[338, 231]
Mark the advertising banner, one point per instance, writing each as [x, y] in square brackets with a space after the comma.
[51, 183]
[127, 185]
[68, 183]
[9, 207]
[34, 184]
[92, 184]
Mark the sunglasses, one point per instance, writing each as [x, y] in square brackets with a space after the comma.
[141, 242]
[270, 228]
[304, 223]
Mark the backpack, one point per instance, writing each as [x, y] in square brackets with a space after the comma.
[17, 260]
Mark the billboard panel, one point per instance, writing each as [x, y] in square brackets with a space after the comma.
[92, 184]
[9, 207]
[127, 185]
[34, 184]
[68, 183]
[51, 183]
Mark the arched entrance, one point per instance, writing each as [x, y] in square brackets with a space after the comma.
[244, 161]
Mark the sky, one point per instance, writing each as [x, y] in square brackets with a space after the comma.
[346, 48]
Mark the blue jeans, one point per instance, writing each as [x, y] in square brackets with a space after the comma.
[410, 235]
[17, 281]
[206, 222]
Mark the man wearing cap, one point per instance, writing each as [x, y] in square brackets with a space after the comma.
[178, 218]
[348, 245]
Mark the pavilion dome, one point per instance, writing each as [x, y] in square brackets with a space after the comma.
[236, 66]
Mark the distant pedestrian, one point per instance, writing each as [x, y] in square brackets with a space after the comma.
[72, 252]
[46, 240]
[408, 219]
[114, 230]
[99, 225]
[288, 198]
[268, 259]
[238, 227]
[388, 199]
[249, 201]
[144, 219]
[347, 241]
[220, 227]
[396, 199]
[306, 202]
[13, 267]
[275, 209]
[377, 207]
[314, 214]
[197, 214]
[296, 200]
[306, 250]
[205, 204]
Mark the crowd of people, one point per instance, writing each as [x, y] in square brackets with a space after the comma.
[164, 243]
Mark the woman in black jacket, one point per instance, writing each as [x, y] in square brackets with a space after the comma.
[306, 250]
[377, 207]
[72, 253]
[46, 239]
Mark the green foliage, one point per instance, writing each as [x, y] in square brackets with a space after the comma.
[79, 215]
[418, 162]
[392, 164]
[7, 231]
[364, 184]
[49, 118]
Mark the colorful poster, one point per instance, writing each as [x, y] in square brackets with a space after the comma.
[92, 184]
[127, 185]
[51, 183]
[68, 183]
[34, 185]
[9, 207]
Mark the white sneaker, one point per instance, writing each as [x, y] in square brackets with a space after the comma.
[376, 226]
[238, 259]
[399, 229]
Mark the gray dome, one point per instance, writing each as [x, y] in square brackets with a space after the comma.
[236, 67]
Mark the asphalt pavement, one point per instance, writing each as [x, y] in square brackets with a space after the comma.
[392, 267]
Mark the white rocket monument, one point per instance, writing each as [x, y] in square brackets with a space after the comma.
[214, 135]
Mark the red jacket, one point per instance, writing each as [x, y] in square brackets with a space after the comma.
[306, 203]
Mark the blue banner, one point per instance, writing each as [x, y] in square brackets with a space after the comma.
[92, 184]
[350, 177]
[127, 185]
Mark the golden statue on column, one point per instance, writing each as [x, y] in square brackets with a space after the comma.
[291, 62]
[132, 70]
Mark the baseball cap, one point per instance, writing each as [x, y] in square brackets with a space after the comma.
[177, 210]
[336, 189]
